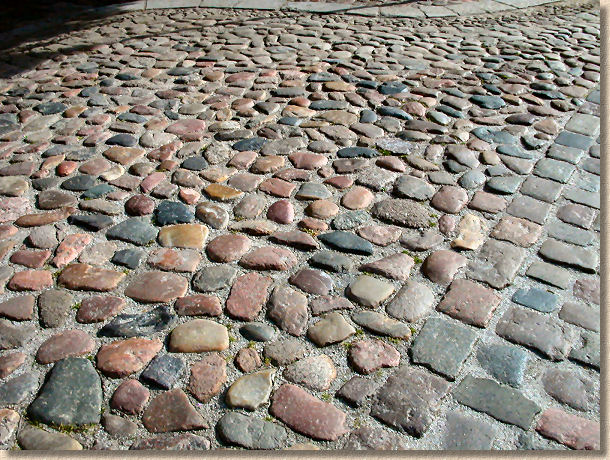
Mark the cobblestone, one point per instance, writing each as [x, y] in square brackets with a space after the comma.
[226, 214]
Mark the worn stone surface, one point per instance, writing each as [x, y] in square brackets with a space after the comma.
[192, 196]
[295, 407]
[409, 400]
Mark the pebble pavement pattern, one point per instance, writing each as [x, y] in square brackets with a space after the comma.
[269, 230]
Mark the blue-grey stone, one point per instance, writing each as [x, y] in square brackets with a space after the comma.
[72, 395]
[79, 183]
[574, 140]
[472, 179]
[488, 102]
[347, 242]
[368, 116]
[129, 258]
[163, 371]
[98, 191]
[139, 324]
[535, 298]
[50, 108]
[333, 261]
[123, 139]
[195, 163]
[173, 212]
[354, 152]
[392, 87]
[132, 118]
[323, 76]
[490, 135]
[328, 105]
[254, 143]
[504, 184]
[93, 222]
[514, 150]
[394, 112]
[17, 389]
[136, 230]
[506, 363]
[350, 219]
[258, 332]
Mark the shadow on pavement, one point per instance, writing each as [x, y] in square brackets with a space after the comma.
[28, 26]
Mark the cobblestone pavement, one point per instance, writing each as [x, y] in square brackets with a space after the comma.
[270, 230]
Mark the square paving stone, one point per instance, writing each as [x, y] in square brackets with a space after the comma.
[574, 140]
[409, 400]
[469, 302]
[538, 299]
[587, 125]
[556, 170]
[541, 189]
[503, 403]
[550, 274]
[588, 351]
[570, 234]
[565, 153]
[467, 433]
[506, 363]
[580, 196]
[443, 346]
[544, 333]
[569, 254]
[529, 208]
[496, 264]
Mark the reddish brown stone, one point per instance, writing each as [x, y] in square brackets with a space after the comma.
[130, 397]
[308, 415]
[18, 308]
[70, 248]
[521, 232]
[357, 198]
[281, 212]
[139, 205]
[247, 359]
[441, 266]
[172, 411]
[367, 356]
[31, 280]
[83, 277]
[123, 357]
[12, 208]
[288, 309]
[176, 260]
[248, 295]
[44, 218]
[198, 305]
[381, 235]
[469, 302]
[340, 182]
[571, 430]
[269, 258]
[487, 202]
[450, 199]
[227, 248]
[277, 187]
[29, 258]
[154, 287]
[10, 363]
[207, 377]
[99, 308]
[322, 209]
[587, 289]
[63, 345]
[190, 129]
[312, 281]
